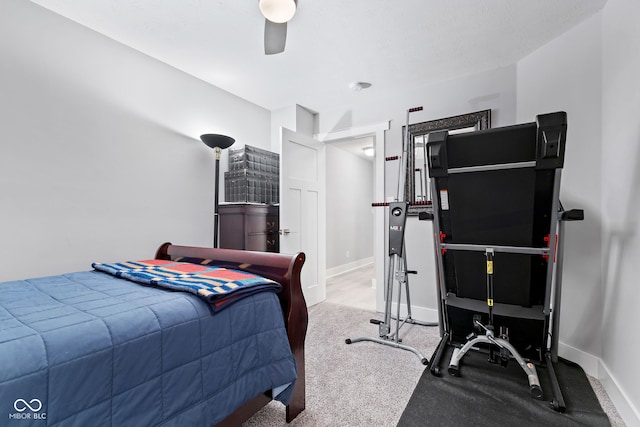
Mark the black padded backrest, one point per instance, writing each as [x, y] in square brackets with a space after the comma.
[492, 146]
[509, 205]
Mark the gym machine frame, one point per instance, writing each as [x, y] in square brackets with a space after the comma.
[398, 271]
[549, 147]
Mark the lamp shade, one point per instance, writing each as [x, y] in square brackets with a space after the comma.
[214, 140]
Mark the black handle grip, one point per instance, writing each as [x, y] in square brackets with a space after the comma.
[573, 215]
[425, 216]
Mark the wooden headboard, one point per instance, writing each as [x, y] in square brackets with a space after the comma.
[284, 269]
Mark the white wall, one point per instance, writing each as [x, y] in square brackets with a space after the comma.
[100, 157]
[565, 75]
[591, 72]
[349, 212]
[296, 118]
[621, 204]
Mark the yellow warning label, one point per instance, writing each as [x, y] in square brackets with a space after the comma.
[490, 302]
[489, 267]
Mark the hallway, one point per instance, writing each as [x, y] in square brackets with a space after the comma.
[353, 289]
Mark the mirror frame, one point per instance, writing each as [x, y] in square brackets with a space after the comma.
[479, 120]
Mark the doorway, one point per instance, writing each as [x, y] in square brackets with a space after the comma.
[377, 130]
[350, 221]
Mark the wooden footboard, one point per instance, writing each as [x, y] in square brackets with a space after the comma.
[284, 269]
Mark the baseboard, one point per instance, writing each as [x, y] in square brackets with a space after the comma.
[588, 362]
[595, 367]
[629, 412]
[345, 268]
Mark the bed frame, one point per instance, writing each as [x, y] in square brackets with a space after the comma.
[284, 269]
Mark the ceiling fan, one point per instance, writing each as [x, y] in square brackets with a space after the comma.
[277, 13]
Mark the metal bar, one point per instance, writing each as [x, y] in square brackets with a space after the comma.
[498, 248]
[496, 167]
[403, 164]
[401, 279]
[394, 344]
[489, 255]
[553, 229]
[442, 287]
[406, 283]
[555, 318]
[434, 363]
[429, 195]
[216, 199]
[385, 327]
[558, 400]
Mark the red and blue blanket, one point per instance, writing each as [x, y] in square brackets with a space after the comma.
[218, 286]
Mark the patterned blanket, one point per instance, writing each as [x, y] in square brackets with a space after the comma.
[218, 286]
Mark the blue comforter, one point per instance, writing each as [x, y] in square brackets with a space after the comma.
[89, 349]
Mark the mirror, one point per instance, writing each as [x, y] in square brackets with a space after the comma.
[417, 188]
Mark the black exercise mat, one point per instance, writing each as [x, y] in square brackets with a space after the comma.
[487, 394]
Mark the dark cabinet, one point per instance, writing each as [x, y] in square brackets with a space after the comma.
[249, 226]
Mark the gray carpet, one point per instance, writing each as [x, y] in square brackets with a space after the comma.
[361, 384]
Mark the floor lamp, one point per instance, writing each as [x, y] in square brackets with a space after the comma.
[218, 143]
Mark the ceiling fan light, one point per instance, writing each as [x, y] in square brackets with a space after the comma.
[278, 11]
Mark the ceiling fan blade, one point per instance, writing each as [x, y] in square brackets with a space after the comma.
[275, 37]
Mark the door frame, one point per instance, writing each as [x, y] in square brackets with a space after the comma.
[378, 131]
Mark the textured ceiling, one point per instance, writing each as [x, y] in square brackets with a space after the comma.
[395, 45]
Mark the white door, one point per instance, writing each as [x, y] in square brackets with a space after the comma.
[302, 208]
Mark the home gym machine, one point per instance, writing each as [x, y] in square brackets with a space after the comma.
[498, 225]
[398, 273]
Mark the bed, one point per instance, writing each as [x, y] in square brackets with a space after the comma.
[90, 348]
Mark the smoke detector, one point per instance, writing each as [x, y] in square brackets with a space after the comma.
[358, 86]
